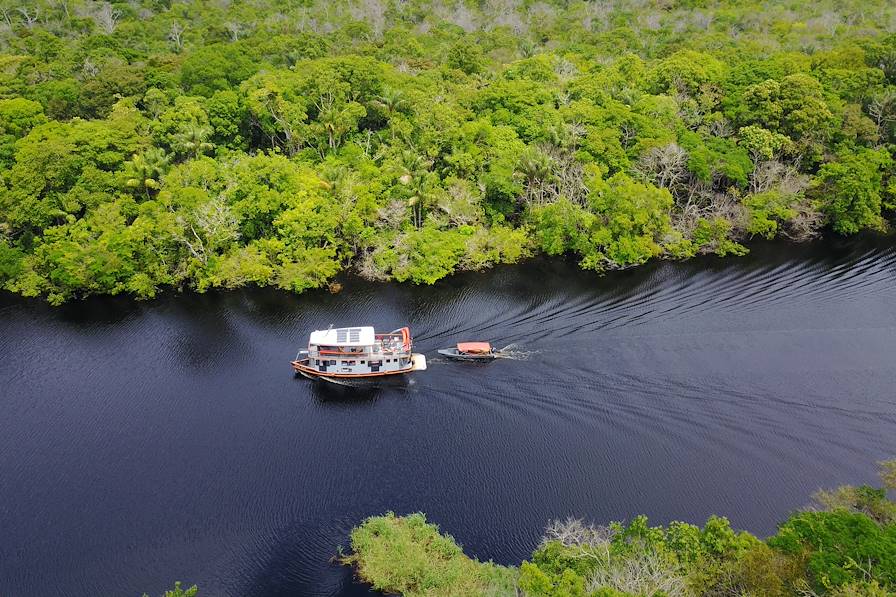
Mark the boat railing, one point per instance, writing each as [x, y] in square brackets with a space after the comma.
[318, 354]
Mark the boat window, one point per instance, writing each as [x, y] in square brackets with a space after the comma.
[333, 362]
[317, 361]
[349, 362]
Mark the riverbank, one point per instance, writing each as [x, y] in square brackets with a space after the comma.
[844, 546]
[341, 279]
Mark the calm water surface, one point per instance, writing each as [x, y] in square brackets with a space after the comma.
[141, 443]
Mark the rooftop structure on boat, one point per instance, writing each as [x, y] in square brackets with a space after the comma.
[363, 336]
[358, 352]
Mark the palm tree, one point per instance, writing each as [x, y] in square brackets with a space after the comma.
[391, 101]
[192, 140]
[415, 175]
[146, 169]
[536, 169]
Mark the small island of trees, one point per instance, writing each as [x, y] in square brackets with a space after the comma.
[152, 144]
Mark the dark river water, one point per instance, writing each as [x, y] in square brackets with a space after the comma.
[142, 443]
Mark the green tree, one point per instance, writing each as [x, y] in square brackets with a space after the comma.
[843, 547]
[144, 171]
[466, 57]
[192, 140]
[17, 117]
[850, 190]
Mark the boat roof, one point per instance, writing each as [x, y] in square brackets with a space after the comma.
[474, 347]
[357, 336]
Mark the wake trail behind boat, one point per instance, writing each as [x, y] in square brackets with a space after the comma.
[514, 353]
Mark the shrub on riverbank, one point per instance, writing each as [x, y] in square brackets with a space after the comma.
[844, 546]
[179, 591]
[407, 555]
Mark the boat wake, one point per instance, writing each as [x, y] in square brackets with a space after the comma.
[514, 353]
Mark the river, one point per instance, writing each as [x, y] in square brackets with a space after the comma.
[142, 443]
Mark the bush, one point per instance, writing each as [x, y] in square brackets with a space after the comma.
[408, 556]
[843, 547]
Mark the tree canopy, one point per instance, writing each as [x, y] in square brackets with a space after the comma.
[151, 144]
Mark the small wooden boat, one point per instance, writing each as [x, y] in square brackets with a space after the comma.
[342, 354]
[470, 351]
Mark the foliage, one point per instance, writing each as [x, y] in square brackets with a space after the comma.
[177, 591]
[852, 188]
[407, 555]
[152, 144]
[843, 547]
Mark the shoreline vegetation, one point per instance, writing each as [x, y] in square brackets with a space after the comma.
[153, 144]
[843, 545]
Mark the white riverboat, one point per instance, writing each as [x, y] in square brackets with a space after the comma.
[357, 353]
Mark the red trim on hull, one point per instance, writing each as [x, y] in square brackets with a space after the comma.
[300, 367]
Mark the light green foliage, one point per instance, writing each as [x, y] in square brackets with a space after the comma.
[864, 499]
[634, 559]
[178, 591]
[17, 117]
[687, 70]
[851, 189]
[762, 143]
[407, 555]
[203, 143]
[465, 56]
[713, 236]
[61, 168]
[561, 226]
[632, 221]
[767, 212]
[624, 223]
[145, 170]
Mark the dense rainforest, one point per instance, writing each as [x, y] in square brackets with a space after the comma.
[151, 144]
[843, 545]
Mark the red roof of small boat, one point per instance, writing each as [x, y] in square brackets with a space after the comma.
[474, 347]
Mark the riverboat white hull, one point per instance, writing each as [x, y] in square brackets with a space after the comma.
[301, 366]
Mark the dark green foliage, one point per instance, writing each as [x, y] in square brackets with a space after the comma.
[843, 547]
[216, 67]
